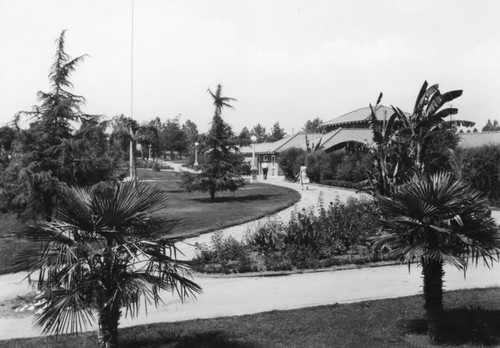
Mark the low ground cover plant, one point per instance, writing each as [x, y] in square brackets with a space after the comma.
[331, 235]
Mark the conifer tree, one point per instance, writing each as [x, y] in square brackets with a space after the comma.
[223, 167]
[52, 152]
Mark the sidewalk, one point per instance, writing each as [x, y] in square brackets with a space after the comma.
[228, 296]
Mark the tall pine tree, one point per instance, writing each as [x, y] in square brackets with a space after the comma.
[52, 153]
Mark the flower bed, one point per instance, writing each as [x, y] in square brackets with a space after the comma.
[334, 235]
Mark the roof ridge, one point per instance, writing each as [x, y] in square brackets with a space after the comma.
[367, 108]
[335, 132]
[286, 142]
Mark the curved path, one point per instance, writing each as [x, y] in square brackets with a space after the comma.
[227, 296]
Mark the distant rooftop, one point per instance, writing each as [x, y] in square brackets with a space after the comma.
[347, 135]
[359, 115]
[297, 140]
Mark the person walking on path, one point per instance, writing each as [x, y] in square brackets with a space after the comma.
[304, 179]
[265, 169]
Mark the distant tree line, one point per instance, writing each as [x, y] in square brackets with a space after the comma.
[491, 127]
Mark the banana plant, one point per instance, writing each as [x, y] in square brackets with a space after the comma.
[391, 163]
[428, 117]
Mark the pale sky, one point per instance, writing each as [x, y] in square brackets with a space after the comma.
[285, 61]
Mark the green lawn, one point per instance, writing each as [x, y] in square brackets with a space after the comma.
[191, 214]
[187, 214]
[472, 317]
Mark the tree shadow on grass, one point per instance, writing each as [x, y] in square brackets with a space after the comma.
[162, 338]
[226, 199]
[463, 326]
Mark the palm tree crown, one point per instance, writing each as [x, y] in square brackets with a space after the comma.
[103, 254]
[439, 218]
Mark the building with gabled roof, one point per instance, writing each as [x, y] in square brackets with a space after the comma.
[342, 132]
[357, 118]
[344, 137]
[268, 152]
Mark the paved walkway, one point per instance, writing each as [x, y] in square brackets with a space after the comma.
[227, 296]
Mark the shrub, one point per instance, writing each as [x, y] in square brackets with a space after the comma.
[270, 236]
[302, 230]
[481, 167]
[278, 261]
[246, 168]
[319, 167]
[225, 255]
[156, 167]
[353, 165]
[290, 162]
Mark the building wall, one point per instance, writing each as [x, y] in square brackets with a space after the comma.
[272, 161]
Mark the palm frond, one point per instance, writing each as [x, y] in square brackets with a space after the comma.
[420, 98]
[65, 312]
[439, 217]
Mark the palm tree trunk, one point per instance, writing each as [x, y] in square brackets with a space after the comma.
[108, 327]
[433, 294]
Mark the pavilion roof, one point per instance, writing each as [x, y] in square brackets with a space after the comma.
[359, 116]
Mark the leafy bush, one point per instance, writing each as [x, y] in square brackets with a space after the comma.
[156, 167]
[481, 167]
[224, 255]
[246, 168]
[352, 166]
[270, 236]
[278, 261]
[290, 162]
[319, 166]
[302, 230]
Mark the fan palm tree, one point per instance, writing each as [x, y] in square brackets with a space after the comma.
[103, 255]
[436, 220]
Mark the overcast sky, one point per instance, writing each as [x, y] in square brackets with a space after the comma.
[285, 61]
